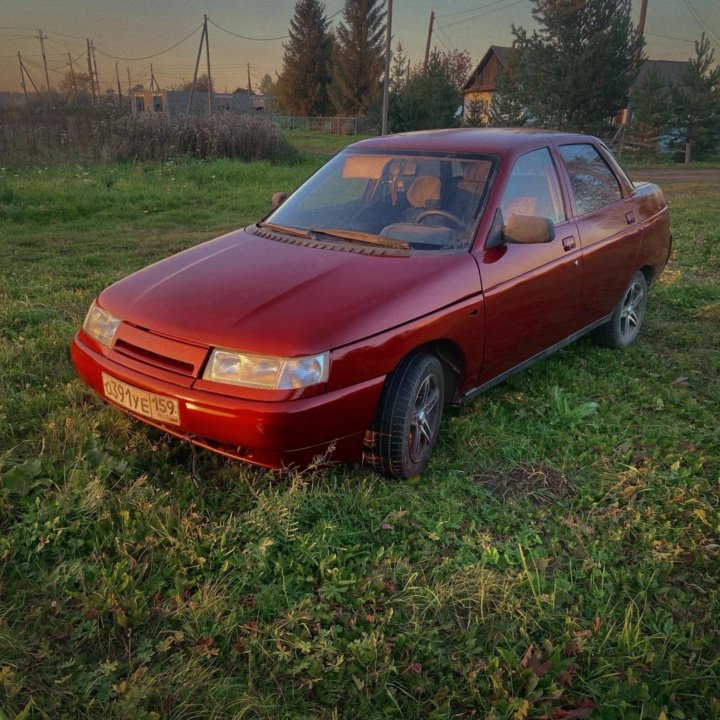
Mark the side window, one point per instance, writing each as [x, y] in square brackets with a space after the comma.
[534, 188]
[594, 184]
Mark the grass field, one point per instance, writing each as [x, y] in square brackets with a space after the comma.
[559, 559]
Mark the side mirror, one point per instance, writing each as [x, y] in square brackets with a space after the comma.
[278, 198]
[528, 229]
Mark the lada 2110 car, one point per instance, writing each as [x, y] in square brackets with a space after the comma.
[409, 271]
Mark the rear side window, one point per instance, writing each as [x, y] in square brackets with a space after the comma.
[594, 184]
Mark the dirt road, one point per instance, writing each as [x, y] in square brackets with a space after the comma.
[676, 175]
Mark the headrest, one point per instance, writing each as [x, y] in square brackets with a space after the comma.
[424, 191]
[477, 171]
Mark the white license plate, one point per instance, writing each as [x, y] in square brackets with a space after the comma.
[141, 402]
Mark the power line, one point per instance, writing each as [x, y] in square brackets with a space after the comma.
[703, 25]
[447, 37]
[442, 42]
[669, 37]
[483, 14]
[148, 57]
[472, 10]
[260, 39]
[244, 37]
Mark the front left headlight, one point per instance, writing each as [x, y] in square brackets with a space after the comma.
[101, 325]
[266, 371]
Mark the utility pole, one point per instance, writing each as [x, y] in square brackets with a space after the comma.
[207, 55]
[154, 87]
[250, 90]
[117, 76]
[429, 38]
[72, 75]
[636, 61]
[97, 76]
[130, 93]
[197, 65]
[386, 81]
[22, 78]
[90, 70]
[25, 70]
[641, 22]
[41, 38]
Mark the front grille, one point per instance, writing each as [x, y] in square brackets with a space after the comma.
[179, 366]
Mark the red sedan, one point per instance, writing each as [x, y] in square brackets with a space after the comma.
[408, 272]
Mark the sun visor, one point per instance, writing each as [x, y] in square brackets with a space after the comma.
[369, 167]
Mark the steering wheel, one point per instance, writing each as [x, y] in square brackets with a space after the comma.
[442, 213]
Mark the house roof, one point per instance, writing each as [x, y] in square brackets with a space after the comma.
[499, 51]
[669, 70]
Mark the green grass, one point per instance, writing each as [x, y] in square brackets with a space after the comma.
[322, 143]
[559, 558]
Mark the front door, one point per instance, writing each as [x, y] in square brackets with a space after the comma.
[532, 291]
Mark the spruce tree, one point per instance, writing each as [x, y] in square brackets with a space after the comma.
[577, 69]
[357, 60]
[652, 108]
[302, 87]
[696, 107]
[507, 107]
[428, 100]
[399, 70]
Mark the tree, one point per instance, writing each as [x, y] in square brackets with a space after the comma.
[457, 65]
[302, 87]
[357, 59]
[652, 108]
[428, 100]
[696, 102]
[577, 69]
[267, 85]
[507, 108]
[201, 84]
[475, 113]
[82, 82]
[399, 70]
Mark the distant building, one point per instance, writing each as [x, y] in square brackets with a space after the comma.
[483, 82]
[175, 102]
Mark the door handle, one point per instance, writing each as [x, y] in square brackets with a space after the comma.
[568, 243]
[630, 217]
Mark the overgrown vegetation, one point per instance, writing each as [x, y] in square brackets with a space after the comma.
[85, 134]
[558, 559]
[686, 112]
[424, 98]
[575, 71]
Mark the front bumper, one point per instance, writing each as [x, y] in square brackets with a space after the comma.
[270, 434]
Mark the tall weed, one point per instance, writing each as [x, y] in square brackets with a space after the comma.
[82, 134]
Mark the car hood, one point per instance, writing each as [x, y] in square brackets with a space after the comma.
[259, 295]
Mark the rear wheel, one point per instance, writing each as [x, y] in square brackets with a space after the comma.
[627, 318]
[408, 416]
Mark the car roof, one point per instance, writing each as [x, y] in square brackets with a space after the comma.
[496, 141]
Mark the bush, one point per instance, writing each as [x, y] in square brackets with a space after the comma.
[33, 134]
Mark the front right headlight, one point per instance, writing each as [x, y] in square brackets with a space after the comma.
[266, 371]
[101, 325]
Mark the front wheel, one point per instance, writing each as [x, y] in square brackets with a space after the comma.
[407, 419]
[627, 318]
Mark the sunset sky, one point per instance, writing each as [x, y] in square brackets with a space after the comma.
[133, 30]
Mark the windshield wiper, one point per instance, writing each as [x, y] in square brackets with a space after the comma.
[363, 237]
[297, 232]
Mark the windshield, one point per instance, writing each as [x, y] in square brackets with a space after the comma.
[417, 201]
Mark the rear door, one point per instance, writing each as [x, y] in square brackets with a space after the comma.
[610, 232]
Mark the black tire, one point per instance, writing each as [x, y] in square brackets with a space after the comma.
[407, 419]
[624, 326]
